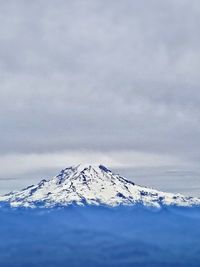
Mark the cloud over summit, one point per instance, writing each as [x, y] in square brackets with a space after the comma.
[100, 76]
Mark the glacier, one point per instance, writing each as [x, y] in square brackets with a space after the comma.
[86, 184]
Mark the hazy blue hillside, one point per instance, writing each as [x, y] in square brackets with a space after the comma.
[100, 237]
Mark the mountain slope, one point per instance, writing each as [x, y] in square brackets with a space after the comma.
[95, 185]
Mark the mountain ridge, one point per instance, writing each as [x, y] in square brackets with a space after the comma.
[86, 184]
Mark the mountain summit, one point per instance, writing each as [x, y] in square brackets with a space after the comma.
[92, 185]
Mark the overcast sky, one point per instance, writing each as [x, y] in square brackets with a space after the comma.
[107, 81]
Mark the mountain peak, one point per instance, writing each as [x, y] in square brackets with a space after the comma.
[89, 167]
[86, 167]
[92, 185]
[83, 170]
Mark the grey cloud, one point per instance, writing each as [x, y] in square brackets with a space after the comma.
[100, 75]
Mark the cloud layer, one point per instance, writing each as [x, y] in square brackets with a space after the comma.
[101, 76]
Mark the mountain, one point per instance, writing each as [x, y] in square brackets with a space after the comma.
[92, 185]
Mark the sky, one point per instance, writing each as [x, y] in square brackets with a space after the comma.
[98, 81]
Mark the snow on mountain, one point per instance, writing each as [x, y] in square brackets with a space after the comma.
[92, 185]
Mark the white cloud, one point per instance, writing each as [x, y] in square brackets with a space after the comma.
[20, 164]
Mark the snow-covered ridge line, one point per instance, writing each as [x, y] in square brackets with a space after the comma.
[92, 185]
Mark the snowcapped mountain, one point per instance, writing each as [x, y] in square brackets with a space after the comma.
[92, 185]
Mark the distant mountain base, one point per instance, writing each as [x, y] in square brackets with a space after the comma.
[94, 236]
